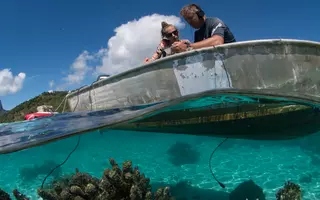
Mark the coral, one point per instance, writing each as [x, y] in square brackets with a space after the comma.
[123, 184]
[290, 191]
[182, 153]
[16, 194]
[19, 196]
[4, 195]
[162, 194]
[247, 190]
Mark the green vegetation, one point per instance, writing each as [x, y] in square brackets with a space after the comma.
[30, 106]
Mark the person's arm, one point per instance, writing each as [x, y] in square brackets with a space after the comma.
[212, 41]
[157, 54]
[217, 37]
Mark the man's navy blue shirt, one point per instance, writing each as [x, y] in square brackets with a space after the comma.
[214, 26]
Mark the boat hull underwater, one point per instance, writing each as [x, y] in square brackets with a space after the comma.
[243, 116]
[280, 68]
[264, 90]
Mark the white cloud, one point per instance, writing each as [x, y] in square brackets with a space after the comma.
[51, 83]
[79, 68]
[132, 42]
[10, 84]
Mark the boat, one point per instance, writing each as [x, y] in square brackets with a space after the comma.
[277, 65]
[278, 78]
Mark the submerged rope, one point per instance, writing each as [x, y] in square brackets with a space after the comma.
[221, 184]
[67, 158]
[229, 82]
[61, 163]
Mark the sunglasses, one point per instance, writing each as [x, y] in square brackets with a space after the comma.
[169, 35]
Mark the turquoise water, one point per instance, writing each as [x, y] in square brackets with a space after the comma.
[268, 164]
[176, 160]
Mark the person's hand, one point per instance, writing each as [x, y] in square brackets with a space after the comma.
[179, 46]
[146, 60]
[185, 41]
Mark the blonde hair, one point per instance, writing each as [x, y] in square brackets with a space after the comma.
[164, 26]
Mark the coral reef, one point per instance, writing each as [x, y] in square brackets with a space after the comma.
[116, 183]
[290, 191]
[4, 195]
[19, 196]
[247, 190]
[128, 184]
[16, 194]
[182, 153]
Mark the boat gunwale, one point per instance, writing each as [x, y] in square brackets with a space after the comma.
[142, 67]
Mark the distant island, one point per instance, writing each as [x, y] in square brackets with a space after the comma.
[47, 98]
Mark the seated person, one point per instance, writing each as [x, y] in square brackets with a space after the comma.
[212, 31]
[170, 34]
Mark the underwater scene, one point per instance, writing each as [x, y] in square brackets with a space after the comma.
[252, 169]
[38, 162]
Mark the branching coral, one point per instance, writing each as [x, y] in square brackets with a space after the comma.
[16, 194]
[4, 195]
[290, 191]
[19, 196]
[125, 184]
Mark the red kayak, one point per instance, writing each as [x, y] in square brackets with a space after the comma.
[38, 115]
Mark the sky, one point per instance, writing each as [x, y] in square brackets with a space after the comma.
[63, 45]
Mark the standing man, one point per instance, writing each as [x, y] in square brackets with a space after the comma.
[211, 30]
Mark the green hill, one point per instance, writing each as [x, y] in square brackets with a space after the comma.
[30, 106]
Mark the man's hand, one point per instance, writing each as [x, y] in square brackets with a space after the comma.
[179, 47]
[209, 42]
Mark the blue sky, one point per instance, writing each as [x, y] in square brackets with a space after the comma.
[42, 38]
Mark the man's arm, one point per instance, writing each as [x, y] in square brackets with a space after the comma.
[217, 37]
[212, 41]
